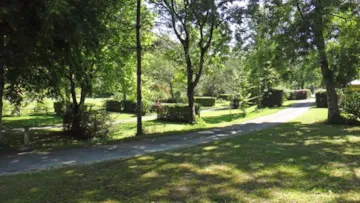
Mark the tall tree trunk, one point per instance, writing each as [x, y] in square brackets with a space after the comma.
[327, 73]
[139, 50]
[75, 120]
[172, 91]
[190, 94]
[332, 98]
[2, 79]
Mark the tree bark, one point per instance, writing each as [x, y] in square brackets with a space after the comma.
[75, 120]
[190, 85]
[190, 94]
[172, 92]
[327, 73]
[139, 50]
[2, 79]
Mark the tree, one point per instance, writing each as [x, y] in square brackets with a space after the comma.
[20, 23]
[139, 52]
[196, 24]
[301, 27]
[86, 51]
[166, 67]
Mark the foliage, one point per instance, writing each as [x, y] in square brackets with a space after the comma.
[205, 101]
[321, 99]
[113, 106]
[227, 97]
[352, 104]
[203, 31]
[93, 125]
[175, 112]
[297, 94]
[60, 108]
[130, 106]
[273, 98]
[241, 102]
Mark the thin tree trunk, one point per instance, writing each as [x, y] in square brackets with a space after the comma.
[190, 94]
[75, 121]
[172, 92]
[2, 79]
[139, 50]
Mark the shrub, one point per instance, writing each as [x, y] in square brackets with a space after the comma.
[113, 106]
[321, 99]
[352, 104]
[176, 112]
[205, 101]
[273, 98]
[93, 124]
[297, 94]
[290, 94]
[227, 97]
[302, 94]
[130, 107]
[168, 101]
[60, 108]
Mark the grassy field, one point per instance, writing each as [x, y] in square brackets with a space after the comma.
[53, 138]
[301, 161]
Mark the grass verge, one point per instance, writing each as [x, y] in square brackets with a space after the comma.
[47, 139]
[302, 161]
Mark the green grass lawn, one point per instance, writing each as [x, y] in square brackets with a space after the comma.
[31, 121]
[52, 138]
[301, 161]
[211, 119]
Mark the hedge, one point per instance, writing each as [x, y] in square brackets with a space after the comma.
[273, 98]
[297, 94]
[227, 97]
[302, 94]
[60, 108]
[321, 99]
[176, 112]
[130, 107]
[113, 106]
[205, 101]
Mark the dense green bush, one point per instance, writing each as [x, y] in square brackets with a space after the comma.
[113, 106]
[227, 97]
[297, 94]
[302, 94]
[93, 125]
[352, 104]
[130, 107]
[60, 108]
[273, 98]
[290, 94]
[205, 101]
[321, 99]
[175, 112]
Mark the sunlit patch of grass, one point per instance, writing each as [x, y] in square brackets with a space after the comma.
[272, 165]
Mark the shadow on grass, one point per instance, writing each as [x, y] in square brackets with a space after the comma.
[292, 162]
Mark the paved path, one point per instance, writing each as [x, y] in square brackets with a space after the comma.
[25, 162]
